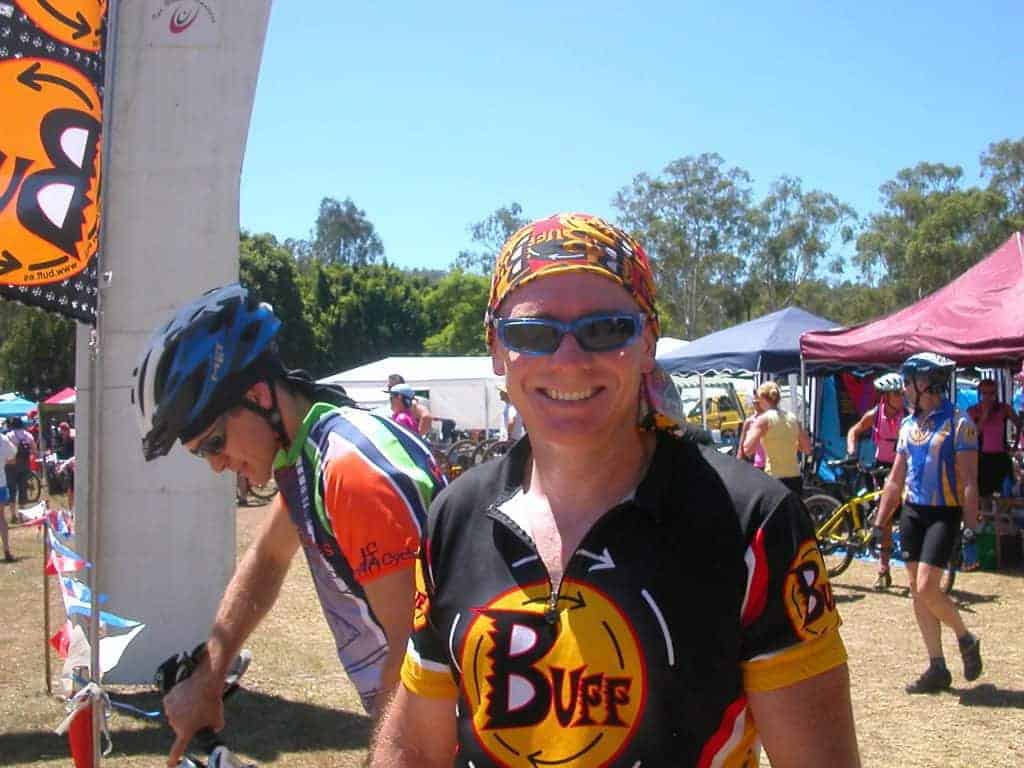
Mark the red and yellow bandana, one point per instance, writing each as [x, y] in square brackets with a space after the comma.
[580, 242]
[572, 242]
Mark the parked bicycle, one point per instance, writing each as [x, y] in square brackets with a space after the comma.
[845, 530]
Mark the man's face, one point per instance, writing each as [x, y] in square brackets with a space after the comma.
[987, 392]
[248, 446]
[573, 396]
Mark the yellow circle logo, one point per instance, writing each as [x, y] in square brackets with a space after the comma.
[49, 172]
[809, 601]
[75, 22]
[563, 687]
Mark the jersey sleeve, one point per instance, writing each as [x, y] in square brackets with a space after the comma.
[966, 436]
[789, 617]
[425, 669]
[901, 440]
[374, 524]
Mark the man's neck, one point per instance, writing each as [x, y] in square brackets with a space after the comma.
[577, 482]
[293, 409]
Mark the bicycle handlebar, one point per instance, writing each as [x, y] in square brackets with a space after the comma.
[179, 667]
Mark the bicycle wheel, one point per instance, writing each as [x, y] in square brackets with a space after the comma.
[264, 492]
[461, 456]
[835, 532]
[497, 448]
[948, 577]
[34, 487]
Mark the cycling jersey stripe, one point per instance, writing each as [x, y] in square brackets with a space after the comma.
[415, 460]
[382, 462]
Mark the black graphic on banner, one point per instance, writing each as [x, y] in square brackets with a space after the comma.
[51, 78]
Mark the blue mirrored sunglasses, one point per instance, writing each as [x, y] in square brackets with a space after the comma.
[602, 332]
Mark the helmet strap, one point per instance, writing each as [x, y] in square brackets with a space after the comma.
[271, 415]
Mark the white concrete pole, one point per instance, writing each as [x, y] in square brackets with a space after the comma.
[184, 81]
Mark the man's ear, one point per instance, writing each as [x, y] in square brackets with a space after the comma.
[650, 349]
[497, 360]
[259, 393]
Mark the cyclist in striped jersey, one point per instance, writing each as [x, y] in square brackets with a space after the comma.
[354, 486]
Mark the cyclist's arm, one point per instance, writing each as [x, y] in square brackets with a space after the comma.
[967, 479]
[858, 429]
[423, 418]
[391, 598]
[196, 702]
[782, 716]
[892, 491]
[415, 731]
[804, 442]
[753, 436]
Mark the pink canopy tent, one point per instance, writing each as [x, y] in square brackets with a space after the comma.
[65, 397]
[977, 319]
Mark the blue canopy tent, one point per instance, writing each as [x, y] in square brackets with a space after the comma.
[769, 344]
[15, 407]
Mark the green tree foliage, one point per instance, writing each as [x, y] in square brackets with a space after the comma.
[1003, 164]
[342, 235]
[490, 234]
[269, 270]
[37, 351]
[455, 306]
[360, 314]
[790, 232]
[930, 231]
[692, 221]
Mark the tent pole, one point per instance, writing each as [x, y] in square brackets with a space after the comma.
[703, 405]
[93, 497]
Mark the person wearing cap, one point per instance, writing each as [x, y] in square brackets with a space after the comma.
[420, 412]
[354, 488]
[401, 396]
[610, 591]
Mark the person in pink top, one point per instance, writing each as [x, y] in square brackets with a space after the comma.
[402, 396]
[883, 421]
[991, 415]
[758, 457]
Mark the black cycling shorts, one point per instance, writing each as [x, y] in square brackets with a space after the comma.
[993, 468]
[927, 534]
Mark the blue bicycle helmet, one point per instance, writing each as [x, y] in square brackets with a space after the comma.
[937, 368]
[200, 364]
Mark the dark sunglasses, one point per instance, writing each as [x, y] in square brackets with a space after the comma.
[215, 442]
[595, 333]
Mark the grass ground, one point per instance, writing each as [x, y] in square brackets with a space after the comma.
[298, 710]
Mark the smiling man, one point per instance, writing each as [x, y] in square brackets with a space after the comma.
[354, 492]
[609, 593]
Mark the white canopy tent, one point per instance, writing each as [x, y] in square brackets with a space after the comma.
[463, 389]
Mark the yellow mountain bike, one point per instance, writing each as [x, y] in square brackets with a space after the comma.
[844, 531]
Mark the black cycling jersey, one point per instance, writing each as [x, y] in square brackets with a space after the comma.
[705, 585]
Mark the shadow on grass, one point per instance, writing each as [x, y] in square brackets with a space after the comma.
[963, 599]
[259, 726]
[988, 695]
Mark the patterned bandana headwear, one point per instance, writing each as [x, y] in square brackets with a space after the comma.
[579, 242]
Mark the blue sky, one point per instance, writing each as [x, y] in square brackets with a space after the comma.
[430, 116]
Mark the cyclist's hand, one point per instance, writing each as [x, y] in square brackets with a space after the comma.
[193, 704]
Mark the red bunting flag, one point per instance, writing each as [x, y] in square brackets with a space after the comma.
[61, 640]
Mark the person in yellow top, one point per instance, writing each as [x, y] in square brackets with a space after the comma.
[780, 434]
